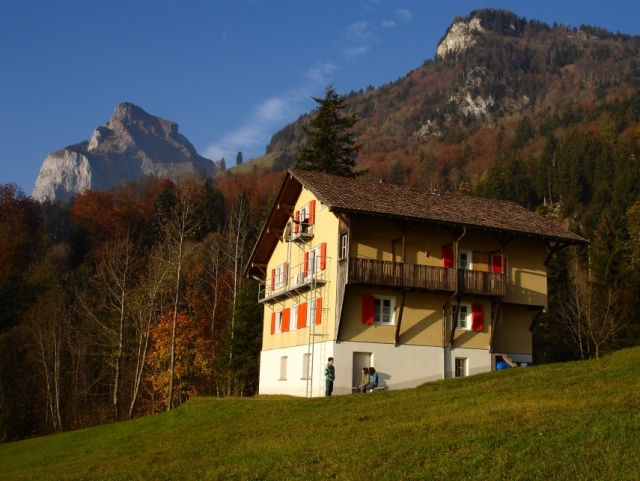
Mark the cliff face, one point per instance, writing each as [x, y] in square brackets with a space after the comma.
[133, 144]
[459, 37]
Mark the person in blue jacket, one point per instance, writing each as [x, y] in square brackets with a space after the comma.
[373, 380]
[501, 363]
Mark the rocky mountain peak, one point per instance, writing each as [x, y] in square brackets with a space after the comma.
[461, 35]
[131, 145]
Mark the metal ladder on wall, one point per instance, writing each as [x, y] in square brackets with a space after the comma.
[311, 345]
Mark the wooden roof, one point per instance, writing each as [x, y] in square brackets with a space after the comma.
[359, 196]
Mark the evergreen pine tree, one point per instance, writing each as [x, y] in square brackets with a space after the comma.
[332, 148]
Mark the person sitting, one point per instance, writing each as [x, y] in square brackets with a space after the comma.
[373, 380]
[364, 381]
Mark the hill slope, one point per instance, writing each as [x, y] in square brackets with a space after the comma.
[497, 80]
[565, 421]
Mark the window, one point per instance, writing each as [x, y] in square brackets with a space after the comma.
[305, 218]
[379, 310]
[278, 325]
[344, 246]
[461, 367]
[463, 322]
[469, 317]
[306, 366]
[315, 260]
[283, 368]
[293, 321]
[279, 276]
[466, 259]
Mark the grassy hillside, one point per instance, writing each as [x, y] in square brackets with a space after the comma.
[578, 420]
[264, 161]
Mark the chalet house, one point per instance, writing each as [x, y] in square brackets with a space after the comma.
[420, 285]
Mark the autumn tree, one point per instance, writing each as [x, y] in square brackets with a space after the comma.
[332, 148]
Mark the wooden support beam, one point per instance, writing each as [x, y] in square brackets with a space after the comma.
[494, 323]
[454, 323]
[286, 207]
[553, 248]
[536, 319]
[399, 323]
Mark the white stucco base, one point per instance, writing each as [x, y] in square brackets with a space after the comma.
[398, 367]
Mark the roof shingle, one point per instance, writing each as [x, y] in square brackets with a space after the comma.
[342, 194]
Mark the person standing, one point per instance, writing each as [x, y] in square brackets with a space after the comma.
[329, 375]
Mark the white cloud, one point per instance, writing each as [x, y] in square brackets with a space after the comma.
[388, 24]
[269, 116]
[405, 15]
[355, 51]
[358, 31]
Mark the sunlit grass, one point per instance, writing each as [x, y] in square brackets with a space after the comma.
[566, 421]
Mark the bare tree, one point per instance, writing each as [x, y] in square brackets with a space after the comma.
[116, 263]
[147, 304]
[588, 314]
[181, 225]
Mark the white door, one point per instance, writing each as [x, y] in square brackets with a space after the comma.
[360, 360]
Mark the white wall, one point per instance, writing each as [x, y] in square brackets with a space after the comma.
[294, 385]
[398, 367]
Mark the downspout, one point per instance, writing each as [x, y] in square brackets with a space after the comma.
[444, 306]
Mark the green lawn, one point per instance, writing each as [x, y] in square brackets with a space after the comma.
[570, 421]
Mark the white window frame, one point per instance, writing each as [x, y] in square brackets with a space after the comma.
[279, 280]
[344, 246]
[278, 326]
[309, 320]
[306, 366]
[293, 318]
[314, 256]
[465, 315]
[283, 368]
[469, 261]
[305, 213]
[378, 314]
[460, 367]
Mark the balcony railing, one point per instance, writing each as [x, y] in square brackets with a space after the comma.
[295, 279]
[397, 274]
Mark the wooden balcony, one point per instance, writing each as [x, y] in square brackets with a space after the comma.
[397, 274]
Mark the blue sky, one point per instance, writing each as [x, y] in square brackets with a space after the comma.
[231, 73]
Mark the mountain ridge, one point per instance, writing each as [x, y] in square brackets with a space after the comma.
[131, 145]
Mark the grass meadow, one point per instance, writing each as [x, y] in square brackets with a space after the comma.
[572, 421]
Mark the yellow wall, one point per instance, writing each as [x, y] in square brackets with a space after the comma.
[325, 230]
[527, 273]
[512, 334]
[421, 320]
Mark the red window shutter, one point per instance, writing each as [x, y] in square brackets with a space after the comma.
[273, 279]
[286, 314]
[367, 309]
[496, 264]
[306, 264]
[477, 323]
[447, 257]
[273, 323]
[318, 310]
[302, 315]
[285, 274]
[296, 224]
[312, 212]
[323, 256]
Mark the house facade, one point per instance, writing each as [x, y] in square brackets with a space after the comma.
[420, 285]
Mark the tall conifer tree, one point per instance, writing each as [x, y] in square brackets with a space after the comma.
[332, 148]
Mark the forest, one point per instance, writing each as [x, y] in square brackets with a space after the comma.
[125, 303]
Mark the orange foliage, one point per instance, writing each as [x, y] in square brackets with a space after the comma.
[193, 370]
